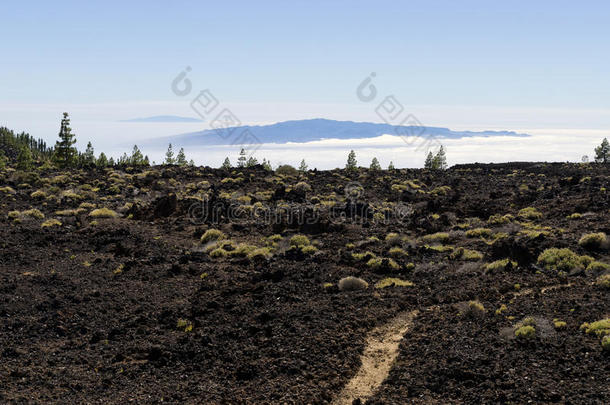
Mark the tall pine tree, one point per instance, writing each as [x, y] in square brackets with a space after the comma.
[65, 153]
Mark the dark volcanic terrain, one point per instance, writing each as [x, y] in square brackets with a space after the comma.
[197, 285]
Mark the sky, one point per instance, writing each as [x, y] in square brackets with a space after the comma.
[541, 66]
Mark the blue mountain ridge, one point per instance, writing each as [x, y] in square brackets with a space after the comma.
[301, 131]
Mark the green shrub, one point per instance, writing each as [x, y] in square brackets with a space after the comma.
[33, 213]
[299, 241]
[525, 332]
[397, 252]
[218, 252]
[351, 283]
[103, 213]
[476, 308]
[575, 215]
[378, 262]
[561, 260]
[441, 237]
[599, 328]
[212, 235]
[603, 281]
[260, 253]
[39, 195]
[597, 267]
[498, 219]
[466, 254]
[478, 232]
[530, 213]
[50, 223]
[393, 282]
[559, 324]
[593, 240]
[606, 343]
[499, 265]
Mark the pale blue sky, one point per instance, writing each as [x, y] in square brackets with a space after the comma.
[519, 65]
[519, 53]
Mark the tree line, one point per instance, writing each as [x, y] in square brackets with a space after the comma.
[24, 150]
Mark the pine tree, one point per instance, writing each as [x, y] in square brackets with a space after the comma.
[102, 160]
[226, 164]
[440, 160]
[602, 152]
[241, 160]
[169, 156]
[352, 164]
[24, 159]
[375, 164]
[191, 162]
[65, 153]
[252, 161]
[429, 161]
[146, 162]
[89, 156]
[136, 159]
[181, 158]
[303, 167]
[266, 165]
[391, 166]
[111, 162]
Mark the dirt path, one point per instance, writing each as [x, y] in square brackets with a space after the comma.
[379, 355]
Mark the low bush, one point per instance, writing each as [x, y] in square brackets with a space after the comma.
[351, 283]
[441, 237]
[393, 282]
[33, 213]
[50, 223]
[103, 213]
[479, 232]
[500, 265]
[380, 262]
[562, 260]
[529, 213]
[526, 332]
[593, 241]
[603, 281]
[212, 235]
[300, 241]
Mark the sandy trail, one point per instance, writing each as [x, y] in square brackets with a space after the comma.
[377, 360]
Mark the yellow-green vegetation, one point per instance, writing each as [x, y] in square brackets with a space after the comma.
[441, 237]
[393, 282]
[392, 238]
[7, 190]
[525, 332]
[503, 308]
[299, 241]
[260, 253]
[397, 252]
[87, 205]
[33, 213]
[466, 254]
[498, 219]
[378, 262]
[500, 265]
[275, 238]
[606, 343]
[479, 232]
[440, 248]
[599, 328]
[50, 223]
[218, 252]
[39, 195]
[242, 250]
[119, 269]
[351, 283]
[562, 260]
[103, 213]
[66, 213]
[442, 190]
[558, 324]
[603, 281]
[593, 240]
[212, 235]
[14, 214]
[184, 324]
[530, 213]
[475, 308]
[575, 215]
[597, 267]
